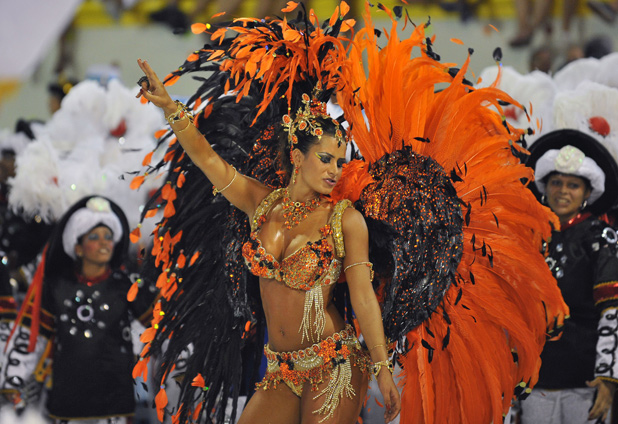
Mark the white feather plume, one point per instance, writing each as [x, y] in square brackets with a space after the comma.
[602, 71]
[574, 109]
[88, 146]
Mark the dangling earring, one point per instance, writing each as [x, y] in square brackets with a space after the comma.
[584, 204]
[295, 174]
[543, 199]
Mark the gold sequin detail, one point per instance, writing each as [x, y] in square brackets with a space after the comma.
[264, 207]
[340, 207]
[329, 360]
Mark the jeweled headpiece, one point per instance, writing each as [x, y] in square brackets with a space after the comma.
[306, 121]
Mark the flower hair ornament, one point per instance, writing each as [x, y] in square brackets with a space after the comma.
[306, 121]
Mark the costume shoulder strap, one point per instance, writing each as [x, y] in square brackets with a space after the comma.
[264, 207]
[335, 223]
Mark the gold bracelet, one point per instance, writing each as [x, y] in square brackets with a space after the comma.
[378, 345]
[180, 113]
[369, 264]
[188, 125]
[215, 190]
[377, 366]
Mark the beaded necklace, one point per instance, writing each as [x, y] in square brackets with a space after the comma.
[295, 212]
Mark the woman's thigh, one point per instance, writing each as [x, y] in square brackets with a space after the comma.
[347, 411]
[272, 406]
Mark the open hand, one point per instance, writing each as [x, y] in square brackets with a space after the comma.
[153, 89]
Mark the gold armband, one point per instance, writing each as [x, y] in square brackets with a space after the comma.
[215, 190]
[368, 264]
[189, 124]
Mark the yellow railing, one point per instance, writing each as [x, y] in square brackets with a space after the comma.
[94, 13]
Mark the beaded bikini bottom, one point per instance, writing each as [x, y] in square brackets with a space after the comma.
[329, 360]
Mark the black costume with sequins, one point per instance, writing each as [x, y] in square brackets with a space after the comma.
[92, 348]
[582, 257]
[74, 334]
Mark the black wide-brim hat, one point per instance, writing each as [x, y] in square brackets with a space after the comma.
[593, 149]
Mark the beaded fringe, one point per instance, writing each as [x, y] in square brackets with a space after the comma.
[339, 384]
[314, 299]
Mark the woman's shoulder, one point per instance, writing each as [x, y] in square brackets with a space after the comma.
[343, 212]
[348, 225]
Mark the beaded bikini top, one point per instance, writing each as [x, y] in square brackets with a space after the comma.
[309, 268]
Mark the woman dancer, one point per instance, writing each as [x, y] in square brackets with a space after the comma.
[299, 244]
[464, 293]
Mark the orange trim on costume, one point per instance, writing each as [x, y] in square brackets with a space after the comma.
[32, 299]
[43, 367]
[46, 320]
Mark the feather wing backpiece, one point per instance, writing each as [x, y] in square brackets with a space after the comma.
[466, 293]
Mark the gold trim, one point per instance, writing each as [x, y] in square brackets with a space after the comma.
[265, 206]
[608, 308]
[335, 222]
[606, 299]
[609, 379]
[607, 283]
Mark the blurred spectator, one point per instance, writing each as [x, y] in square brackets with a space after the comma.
[605, 10]
[598, 46]
[466, 8]
[180, 22]
[542, 59]
[531, 17]
[57, 90]
[573, 52]
[66, 50]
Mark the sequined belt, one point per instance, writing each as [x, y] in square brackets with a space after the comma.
[301, 357]
[329, 360]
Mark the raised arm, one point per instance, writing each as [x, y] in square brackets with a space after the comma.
[243, 192]
[366, 307]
